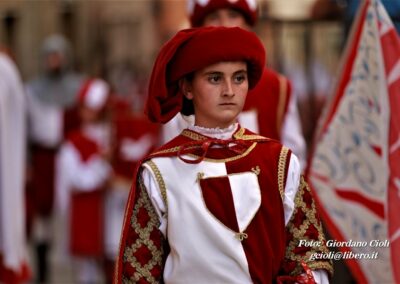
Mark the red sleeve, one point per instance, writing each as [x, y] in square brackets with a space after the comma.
[142, 249]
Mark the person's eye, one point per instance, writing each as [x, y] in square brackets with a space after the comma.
[234, 14]
[214, 78]
[240, 78]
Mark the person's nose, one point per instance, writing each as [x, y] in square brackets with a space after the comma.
[228, 90]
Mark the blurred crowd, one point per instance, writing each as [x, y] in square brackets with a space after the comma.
[69, 143]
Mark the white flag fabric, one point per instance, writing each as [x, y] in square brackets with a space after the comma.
[354, 168]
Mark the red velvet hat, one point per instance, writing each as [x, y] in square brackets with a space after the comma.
[199, 9]
[193, 49]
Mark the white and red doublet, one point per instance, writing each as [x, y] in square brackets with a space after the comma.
[218, 207]
[81, 176]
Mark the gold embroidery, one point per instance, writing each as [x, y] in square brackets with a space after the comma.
[160, 181]
[241, 236]
[144, 240]
[200, 175]
[281, 170]
[256, 170]
[300, 233]
[193, 135]
[240, 135]
[170, 150]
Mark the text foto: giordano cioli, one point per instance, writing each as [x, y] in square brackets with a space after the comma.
[349, 243]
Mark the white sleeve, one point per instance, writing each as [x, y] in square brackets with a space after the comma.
[83, 176]
[292, 135]
[62, 182]
[320, 276]
[291, 187]
[174, 127]
[153, 190]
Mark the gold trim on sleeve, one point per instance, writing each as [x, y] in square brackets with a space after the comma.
[160, 181]
[281, 170]
[299, 233]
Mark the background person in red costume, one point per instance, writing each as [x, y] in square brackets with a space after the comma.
[82, 175]
[271, 110]
[218, 203]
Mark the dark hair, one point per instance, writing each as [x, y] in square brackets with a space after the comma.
[187, 105]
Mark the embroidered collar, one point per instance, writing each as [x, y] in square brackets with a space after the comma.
[218, 133]
[237, 133]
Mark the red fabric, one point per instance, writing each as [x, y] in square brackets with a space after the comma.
[85, 146]
[213, 199]
[9, 276]
[87, 215]
[270, 98]
[40, 190]
[189, 50]
[83, 90]
[133, 127]
[72, 120]
[390, 49]
[200, 11]
[41, 195]
[265, 245]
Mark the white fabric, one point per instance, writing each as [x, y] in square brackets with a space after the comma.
[96, 95]
[115, 202]
[247, 202]
[292, 134]
[12, 166]
[178, 173]
[320, 276]
[189, 263]
[134, 150]
[71, 172]
[46, 121]
[177, 266]
[174, 127]
[218, 133]
[249, 119]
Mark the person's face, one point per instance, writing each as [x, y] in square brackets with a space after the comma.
[226, 18]
[218, 93]
[89, 115]
[54, 62]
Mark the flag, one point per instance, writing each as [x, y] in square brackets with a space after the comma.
[354, 167]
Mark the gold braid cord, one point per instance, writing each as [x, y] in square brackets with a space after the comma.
[143, 251]
[304, 225]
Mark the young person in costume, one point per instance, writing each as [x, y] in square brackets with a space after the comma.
[83, 172]
[271, 109]
[218, 203]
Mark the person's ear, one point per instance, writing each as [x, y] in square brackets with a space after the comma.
[186, 88]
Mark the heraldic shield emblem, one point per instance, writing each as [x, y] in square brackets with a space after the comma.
[233, 199]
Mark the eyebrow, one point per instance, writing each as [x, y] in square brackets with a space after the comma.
[219, 72]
